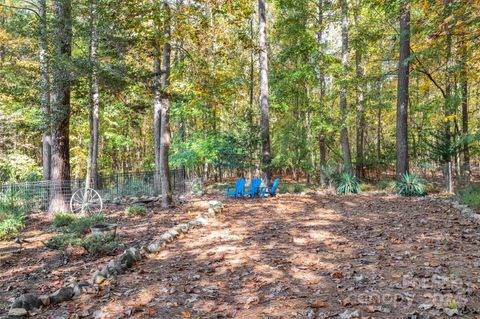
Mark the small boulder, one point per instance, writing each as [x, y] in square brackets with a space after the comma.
[27, 302]
[45, 299]
[17, 312]
[156, 246]
[61, 295]
[201, 220]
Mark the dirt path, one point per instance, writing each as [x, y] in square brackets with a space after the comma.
[307, 257]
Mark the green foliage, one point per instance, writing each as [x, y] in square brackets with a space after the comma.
[94, 245]
[329, 174]
[71, 224]
[136, 210]
[99, 244]
[470, 195]
[13, 213]
[385, 184]
[410, 185]
[73, 230]
[347, 184]
[366, 187]
[12, 225]
[63, 219]
[19, 168]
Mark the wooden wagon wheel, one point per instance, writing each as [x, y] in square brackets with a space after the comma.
[86, 201]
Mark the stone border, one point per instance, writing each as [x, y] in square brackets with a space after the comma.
[26, 303]
[464, 209]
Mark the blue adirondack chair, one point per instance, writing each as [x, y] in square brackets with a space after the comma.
[254, 188]
[238, 190]
[271, 190]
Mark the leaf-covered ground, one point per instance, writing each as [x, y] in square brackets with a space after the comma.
[313, 256]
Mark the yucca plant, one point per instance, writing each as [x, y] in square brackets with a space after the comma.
[328, 174]
[410, 185]
[347, 184]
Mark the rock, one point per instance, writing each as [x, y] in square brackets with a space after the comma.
[17, 312]
[27, 302]
[173, 232]
[348, 314]
[99, 314]
[135, 253]
[182, 228]
[167, 237]
[193, 223]
[45, 299]
[450, 312]
[201, 220]
[98, 279]
[156, 246]
[61, 295]
[127, 259]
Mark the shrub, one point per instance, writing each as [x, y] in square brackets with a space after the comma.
[329, 172]
[81, 225]
[138, 210]
[470, 195]
[12, 225]
[72, 231]
[60, 241]
[13, 211]
[366, 187]
[410, 185]
[347, 184]
[63, 219]
[386, 185]
[99, 244]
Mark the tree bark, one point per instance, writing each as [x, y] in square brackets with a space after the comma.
[344, 141]
[61, 106]
[464, 93]
[157, 110]
[265, 125]
[44, 89]
[94, 99]
[165, 110]
[321, 83]
[402, 91]
[360, 73]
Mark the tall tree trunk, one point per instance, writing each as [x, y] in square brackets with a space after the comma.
[321, 82]
[360, 73]
[402, 90]
[251, 111]
[165, 110]
[157, 111]
[266, 154]
[464, 94]
[94, 100]
[347, 157]
[61, 106]
[45, 89]
[447, 104]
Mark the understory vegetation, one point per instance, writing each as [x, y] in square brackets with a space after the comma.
[73, 231]
[13, 212]
[470, 195]
[136, 210]
[410, 185]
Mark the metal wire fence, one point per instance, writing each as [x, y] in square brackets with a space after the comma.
[111, 187]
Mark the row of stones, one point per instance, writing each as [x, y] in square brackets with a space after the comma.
[26, 303]
[463, 209]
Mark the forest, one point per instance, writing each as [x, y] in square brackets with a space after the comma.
[96, 85]
[252, 159]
